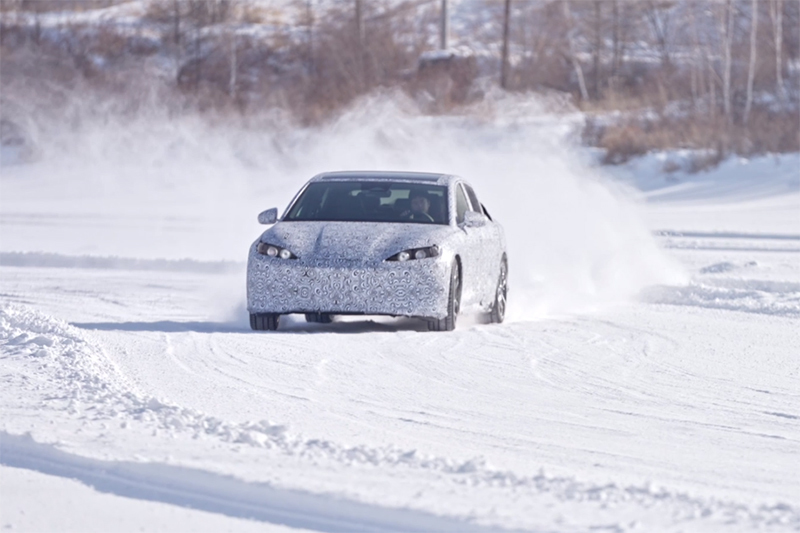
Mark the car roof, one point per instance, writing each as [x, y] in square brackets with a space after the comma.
[382, 175]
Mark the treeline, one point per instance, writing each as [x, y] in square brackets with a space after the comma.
[722, 75]
[719, 75]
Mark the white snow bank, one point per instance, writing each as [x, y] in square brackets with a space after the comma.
[34, 501]
[51, 260]
[735, 179]
[757, 197]
[87, 379]
[220, 494]
[750, 296]
[226, 495]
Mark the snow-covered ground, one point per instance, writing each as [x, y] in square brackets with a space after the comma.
[648, 378]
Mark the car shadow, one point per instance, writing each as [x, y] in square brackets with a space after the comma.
[164, 326]
[290, 324]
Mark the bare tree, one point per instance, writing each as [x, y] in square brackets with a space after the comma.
[776, 14]
[576, 64]
[616, 41]
[624, 17]
[659, 15]
[444, 25]
[234, 68]
[726, 22]
[597, 47]
[506, 32]
[697, 78]
[751, 70]
[176, 32]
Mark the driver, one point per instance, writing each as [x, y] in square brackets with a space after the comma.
[419, 209]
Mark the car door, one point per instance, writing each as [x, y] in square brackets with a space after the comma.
[469, 251]
[489, 245]
[474, 259]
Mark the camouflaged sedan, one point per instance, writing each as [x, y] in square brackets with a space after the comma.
[379, 243]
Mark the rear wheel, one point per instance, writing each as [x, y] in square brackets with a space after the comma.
[264, 321]
[498, 312]
[319, 318]
[448, 323]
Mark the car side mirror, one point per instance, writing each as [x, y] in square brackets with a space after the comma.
[270, 216]
[473, 219]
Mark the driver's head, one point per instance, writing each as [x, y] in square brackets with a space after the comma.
[420, 203]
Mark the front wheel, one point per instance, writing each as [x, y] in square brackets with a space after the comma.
[498, 312]
[448, 323]
[264, 321]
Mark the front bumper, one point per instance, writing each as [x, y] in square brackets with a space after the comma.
[416, 288]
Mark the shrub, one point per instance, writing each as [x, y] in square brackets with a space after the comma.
[623, 142]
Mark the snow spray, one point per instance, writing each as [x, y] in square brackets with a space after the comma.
[188, 187]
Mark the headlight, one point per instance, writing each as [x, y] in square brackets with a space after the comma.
[274, 251]
[416, 253]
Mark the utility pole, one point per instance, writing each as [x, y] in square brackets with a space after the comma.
[176, 20]
[310, 20]
[233, 64]
[444, 27]
[504, 59]
[360, 22]
[360, 34]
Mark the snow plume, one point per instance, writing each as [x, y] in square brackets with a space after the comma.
[179, 187]
[575, 239]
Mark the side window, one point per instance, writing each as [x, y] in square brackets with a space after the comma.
[473, 198]
[461, 204]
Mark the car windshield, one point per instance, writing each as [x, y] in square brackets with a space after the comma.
[371, 201]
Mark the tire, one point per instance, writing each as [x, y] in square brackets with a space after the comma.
[448, 323]
[319, 318]
[498, 312]
[264, 321]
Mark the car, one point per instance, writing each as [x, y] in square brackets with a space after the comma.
[408, 244]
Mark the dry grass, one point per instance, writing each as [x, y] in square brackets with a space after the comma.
[768, 131]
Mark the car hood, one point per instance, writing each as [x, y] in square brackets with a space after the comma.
[352, 241]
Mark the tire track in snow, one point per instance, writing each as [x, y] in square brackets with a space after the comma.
[72, 374]
[730, 285]
[221, 494]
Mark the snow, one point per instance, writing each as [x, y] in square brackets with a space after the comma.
[33, 501]
[647, 378]
[749, 196]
